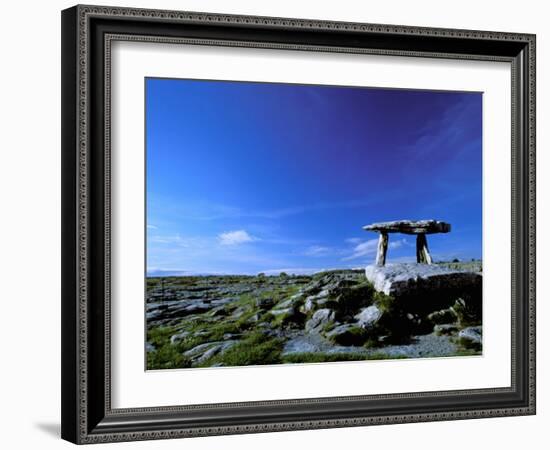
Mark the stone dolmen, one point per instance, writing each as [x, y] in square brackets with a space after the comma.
[421, 228]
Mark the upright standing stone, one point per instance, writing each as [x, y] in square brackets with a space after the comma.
[382, 249]
[422, 253]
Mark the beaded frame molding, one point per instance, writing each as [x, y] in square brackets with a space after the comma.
[87, 34]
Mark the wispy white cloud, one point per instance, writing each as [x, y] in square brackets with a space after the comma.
[208, 255]
[169, 239]
[212, 211]
[236, 237]
[152, 227]
[317, 250]
[363, 249]
[302, 209]
[449, 142]
[369, 248]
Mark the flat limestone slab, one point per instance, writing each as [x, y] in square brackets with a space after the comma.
[410, 227]
[405, 279]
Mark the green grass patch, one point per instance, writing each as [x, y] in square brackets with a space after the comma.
[159, 336]
[266, 317]
[167, 357]
[354, 335]
[371, 343]
[383, 301]
[467, 344]
[318, 357]
[255, 349]
[467, 352]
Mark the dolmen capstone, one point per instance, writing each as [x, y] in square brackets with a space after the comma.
[419, 227]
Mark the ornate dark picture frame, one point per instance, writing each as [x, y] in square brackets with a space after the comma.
[87, 33]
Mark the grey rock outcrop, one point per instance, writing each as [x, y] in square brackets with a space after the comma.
[175, 338]
[265, 303]
[287, 314]
[471, 337]
[313, 302]
[420, 296]
[403, 279]
[320, 319]
[202, 352]
[369, 317]
[410, 310]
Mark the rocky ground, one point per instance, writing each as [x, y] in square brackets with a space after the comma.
[207, 321]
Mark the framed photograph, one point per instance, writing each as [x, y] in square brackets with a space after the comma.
[280, 224]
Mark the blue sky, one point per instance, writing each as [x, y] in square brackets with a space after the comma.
[263, 177]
